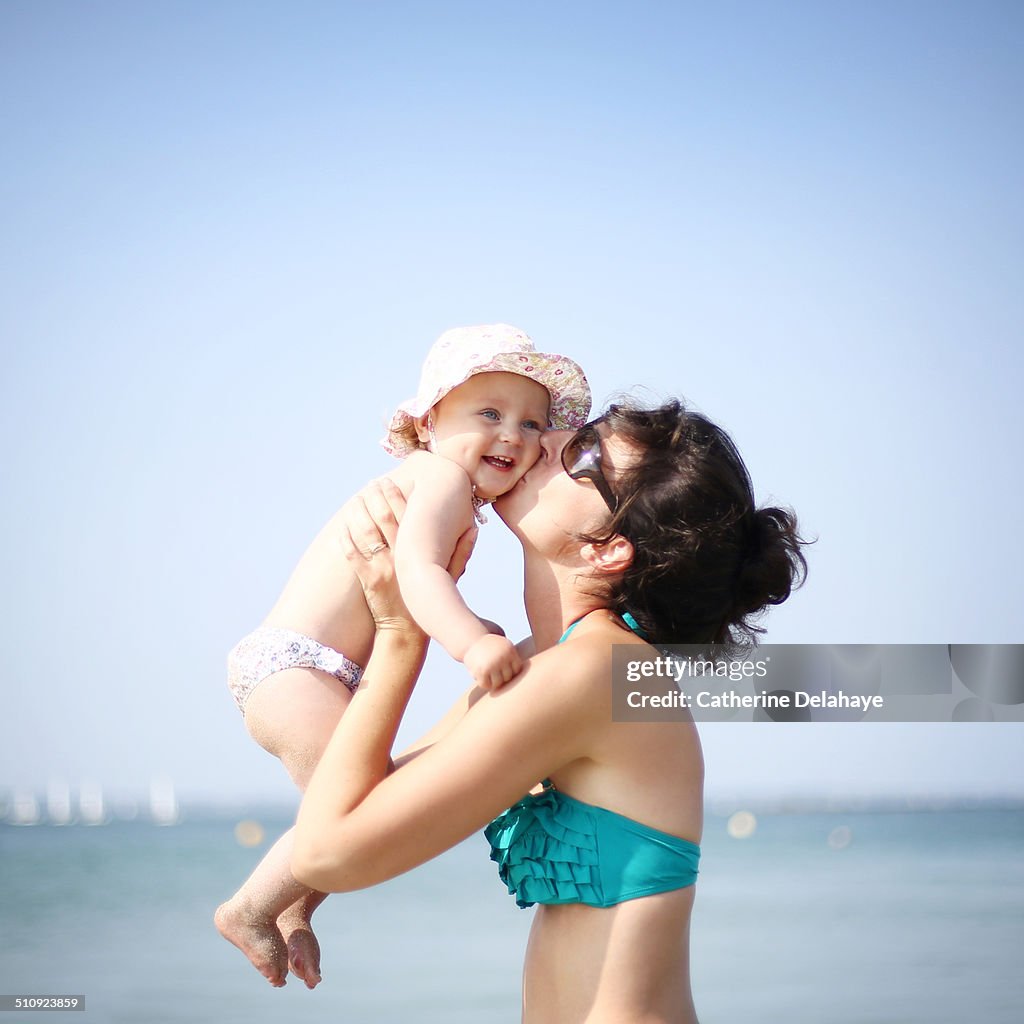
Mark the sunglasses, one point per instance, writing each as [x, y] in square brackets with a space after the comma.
[581, 459]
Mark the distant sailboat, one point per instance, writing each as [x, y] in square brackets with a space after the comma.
[91, 808]
[163, 804]
[58, 803]
[24, 809]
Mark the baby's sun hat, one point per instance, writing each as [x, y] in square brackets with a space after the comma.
[490, 348]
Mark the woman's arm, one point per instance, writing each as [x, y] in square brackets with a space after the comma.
[526, 648]
[358, 757]
[358, 826]
[440, 729]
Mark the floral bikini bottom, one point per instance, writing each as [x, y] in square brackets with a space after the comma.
[268, 650]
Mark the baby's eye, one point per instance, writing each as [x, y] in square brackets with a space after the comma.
[490, 414]
[532, 425]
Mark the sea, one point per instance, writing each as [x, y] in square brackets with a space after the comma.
[817, 917]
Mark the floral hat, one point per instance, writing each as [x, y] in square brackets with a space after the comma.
[491, 348]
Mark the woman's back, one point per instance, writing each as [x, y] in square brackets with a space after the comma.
[627, 964]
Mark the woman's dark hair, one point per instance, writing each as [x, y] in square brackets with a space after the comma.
[706, 561]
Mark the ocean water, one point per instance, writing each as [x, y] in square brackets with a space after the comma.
[906, 918]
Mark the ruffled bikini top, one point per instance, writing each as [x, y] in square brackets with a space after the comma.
[552, 848]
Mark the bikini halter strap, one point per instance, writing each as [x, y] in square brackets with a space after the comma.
[625, 616]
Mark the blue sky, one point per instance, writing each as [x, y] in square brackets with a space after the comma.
[232, 230]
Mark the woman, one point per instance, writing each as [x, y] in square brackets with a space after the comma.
[639, 527]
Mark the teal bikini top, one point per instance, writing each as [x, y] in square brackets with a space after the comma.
[552, 848]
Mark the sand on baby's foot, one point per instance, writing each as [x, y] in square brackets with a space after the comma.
[258, 938]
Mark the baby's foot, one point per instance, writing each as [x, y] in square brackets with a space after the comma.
[257, 937]
[303, 948]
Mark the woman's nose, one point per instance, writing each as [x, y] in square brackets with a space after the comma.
[553, 441]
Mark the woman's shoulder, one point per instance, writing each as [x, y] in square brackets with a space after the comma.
[583, 662]
[584, 667]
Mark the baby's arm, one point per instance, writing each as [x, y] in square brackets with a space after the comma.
[438, 513]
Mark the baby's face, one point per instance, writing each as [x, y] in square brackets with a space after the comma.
[491, 427]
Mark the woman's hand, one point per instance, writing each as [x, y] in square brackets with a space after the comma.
[371, 519]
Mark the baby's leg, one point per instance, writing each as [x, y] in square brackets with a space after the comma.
[292, 714]
[295, 926]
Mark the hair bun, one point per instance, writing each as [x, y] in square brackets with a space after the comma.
[773, 565]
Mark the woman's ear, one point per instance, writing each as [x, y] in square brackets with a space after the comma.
[611, 558]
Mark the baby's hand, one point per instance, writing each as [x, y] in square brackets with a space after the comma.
[492, 661]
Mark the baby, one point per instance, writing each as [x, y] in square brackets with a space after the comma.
[485, 397]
